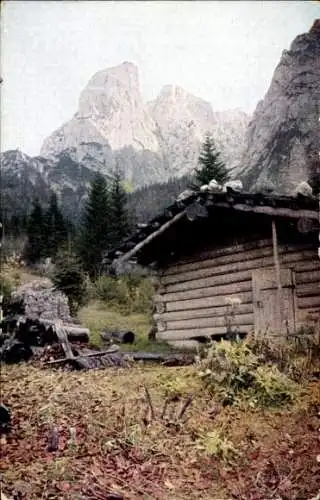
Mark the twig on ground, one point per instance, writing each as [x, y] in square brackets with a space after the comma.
[149, 401]
[184, 407]
[165, 406]
[53, 440]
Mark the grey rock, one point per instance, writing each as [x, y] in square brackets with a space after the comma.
[284, 131]
[214, 186]
[41, 300]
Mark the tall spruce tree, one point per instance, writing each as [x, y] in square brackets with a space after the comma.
[55, 227]
[119, 217]
[95, 227]
[210, 164]
[35, 246]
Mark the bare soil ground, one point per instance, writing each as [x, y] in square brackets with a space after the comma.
[111, 453]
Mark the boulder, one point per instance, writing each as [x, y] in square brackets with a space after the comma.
[41, 300]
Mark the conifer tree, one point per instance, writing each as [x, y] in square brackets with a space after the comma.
[55, 227]
[95, 226]
[35, 247]
[119, 217]
[210, 164]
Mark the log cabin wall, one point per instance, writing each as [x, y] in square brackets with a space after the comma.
[192, 301]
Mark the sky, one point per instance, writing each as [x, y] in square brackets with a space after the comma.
[222, 51]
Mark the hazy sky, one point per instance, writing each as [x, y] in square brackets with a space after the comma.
[224, 52]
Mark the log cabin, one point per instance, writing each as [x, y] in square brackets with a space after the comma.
[232, 262]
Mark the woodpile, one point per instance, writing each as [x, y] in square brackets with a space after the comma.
[54, 343]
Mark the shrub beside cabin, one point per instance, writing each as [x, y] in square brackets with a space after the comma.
[232, 262]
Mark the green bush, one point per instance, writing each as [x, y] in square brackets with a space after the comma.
[215, 444]
[111, 290]
[143, 299]
[297, 356]
[271, 387]
[69, 278]
[6, 288]
[232, 370]
[129, 294]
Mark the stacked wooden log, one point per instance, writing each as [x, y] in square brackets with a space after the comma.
[23, 338]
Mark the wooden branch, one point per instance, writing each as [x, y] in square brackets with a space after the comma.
[184, 408]
[150, 238]
[149, 401]
[53, 440]
[164, 410]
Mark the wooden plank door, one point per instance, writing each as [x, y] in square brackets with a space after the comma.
[274, 310]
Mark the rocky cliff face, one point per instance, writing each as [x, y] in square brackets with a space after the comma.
[183, 121]
[284, 132]
[111, 115]
[150, 142]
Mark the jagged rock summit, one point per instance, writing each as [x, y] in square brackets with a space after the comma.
[148, 141]
[285, 130]
[111, 112]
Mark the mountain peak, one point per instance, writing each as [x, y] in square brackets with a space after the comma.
[126, 73]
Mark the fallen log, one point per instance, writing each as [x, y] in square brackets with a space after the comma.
[40, 331]
[118, 336]
[74, 332]
[168, 359]
[85, 355]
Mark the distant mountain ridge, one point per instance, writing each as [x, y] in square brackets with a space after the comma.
[149, 141]
[160, 140]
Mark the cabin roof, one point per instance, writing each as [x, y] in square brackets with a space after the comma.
[199, 205]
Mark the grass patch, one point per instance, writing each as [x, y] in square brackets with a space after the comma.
[17, 275]
[98, 316]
